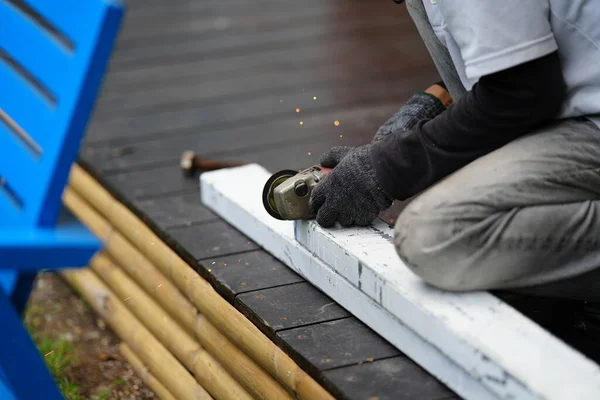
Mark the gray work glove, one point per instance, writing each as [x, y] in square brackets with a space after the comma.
[350, 194]
[419, 107]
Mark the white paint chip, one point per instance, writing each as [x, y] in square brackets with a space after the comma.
[474, 343]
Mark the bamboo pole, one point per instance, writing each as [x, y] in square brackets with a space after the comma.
[208, 371]
[152, 353]
[142, 371]
[219, 312]
[223, 315]
[132, 260]
[243, 368]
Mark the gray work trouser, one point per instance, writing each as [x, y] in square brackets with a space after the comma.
[525, 217]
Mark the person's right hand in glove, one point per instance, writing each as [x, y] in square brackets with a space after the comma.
[350, 194]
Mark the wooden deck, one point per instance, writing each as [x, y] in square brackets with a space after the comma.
[226, 79]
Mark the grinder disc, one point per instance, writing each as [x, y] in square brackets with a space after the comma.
[267, 197]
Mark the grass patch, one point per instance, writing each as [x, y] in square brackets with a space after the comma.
[57, 353]
[60, 359]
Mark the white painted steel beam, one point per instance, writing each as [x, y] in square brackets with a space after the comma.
[477, 345]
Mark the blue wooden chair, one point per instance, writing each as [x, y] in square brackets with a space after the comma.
[53, 55]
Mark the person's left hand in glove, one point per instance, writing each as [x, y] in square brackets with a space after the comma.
[350, 194]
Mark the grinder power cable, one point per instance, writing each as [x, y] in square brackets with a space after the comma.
[286, 193]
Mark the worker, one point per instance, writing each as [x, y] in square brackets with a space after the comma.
[503, 162]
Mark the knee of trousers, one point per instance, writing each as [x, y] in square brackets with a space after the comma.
[430, 239]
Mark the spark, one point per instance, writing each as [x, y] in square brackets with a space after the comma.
[309, 153]
[214, 262]
[314, 97]
[297, 110]
[336, 123]
[209, 270]
[48, 353]
[301, 123]
[159, 285]
[127, 298]
[341, 135]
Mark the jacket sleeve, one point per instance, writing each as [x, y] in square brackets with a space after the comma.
[498, 109]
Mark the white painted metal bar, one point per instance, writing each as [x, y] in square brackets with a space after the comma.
[474, 343]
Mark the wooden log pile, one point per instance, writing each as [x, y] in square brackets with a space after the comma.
[182, 338]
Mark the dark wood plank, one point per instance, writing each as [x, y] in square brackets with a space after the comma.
[287, 307]
[248, 85]
[196, 19]
[155, 182]
[375, 46]
[335, 344]
[184, 120]
[355, 122]
[181, 8]
[295, 156]
[178, 210]
[158, 181]
[251, 271]
[168, 180]
[396, 378]
[194, 48]
[211, 239]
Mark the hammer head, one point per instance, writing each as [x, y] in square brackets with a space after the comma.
[187, 161]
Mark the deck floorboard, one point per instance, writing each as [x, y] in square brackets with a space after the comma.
[224, 79]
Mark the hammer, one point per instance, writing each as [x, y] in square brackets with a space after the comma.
[191, 163]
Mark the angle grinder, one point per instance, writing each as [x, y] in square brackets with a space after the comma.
[286, 193]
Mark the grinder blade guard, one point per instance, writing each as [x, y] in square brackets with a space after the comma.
[286, 193]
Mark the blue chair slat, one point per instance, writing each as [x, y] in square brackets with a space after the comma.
[59, 137]
[13, 186]
[31, 234]
[46, 248]
[73, 18]
[34, 50]
[9, 174]
[15, 347]
[19, 101]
